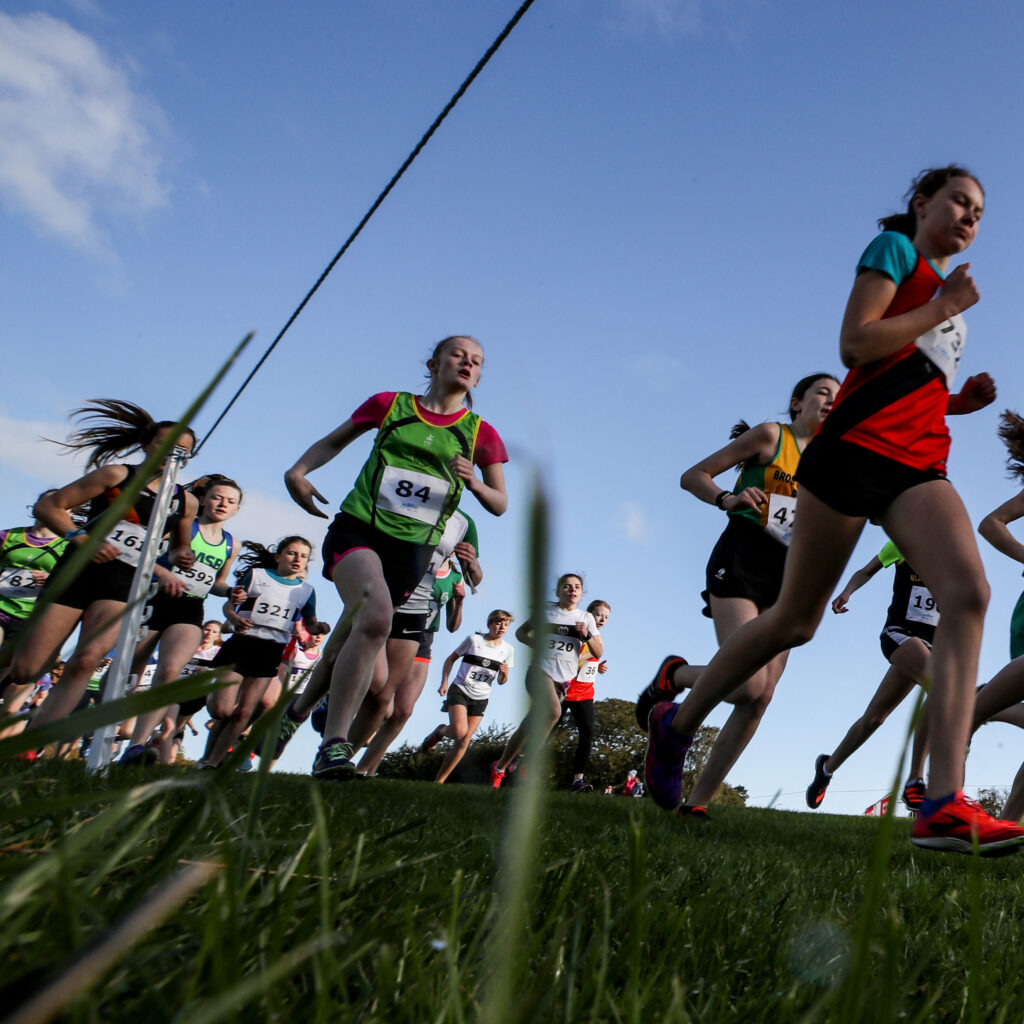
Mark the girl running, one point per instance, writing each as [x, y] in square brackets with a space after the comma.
[270, 597]
[579, 700]
[27, 557]
[906, 644]
[569, 628]
[96, 598]
[486, 659]
[378, 547]
[744, 573]
[176, 615]
[881, 455]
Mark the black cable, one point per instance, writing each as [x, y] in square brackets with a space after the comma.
[491, 50]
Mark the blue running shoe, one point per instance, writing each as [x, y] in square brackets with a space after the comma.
[666, 751]
[289, 727]
[334, 762]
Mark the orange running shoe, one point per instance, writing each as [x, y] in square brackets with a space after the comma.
[961, 823]
[659, 689]
[913, 794]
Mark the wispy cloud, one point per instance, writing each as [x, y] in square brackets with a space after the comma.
[673, 18]
[77, 141]
[25, 451]
[633, 523]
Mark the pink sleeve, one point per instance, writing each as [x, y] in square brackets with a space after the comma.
[372, 412]
[489, 446]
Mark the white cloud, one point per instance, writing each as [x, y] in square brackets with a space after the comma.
[76, 141]
[633, 523]
[687, 17]
[25, 451]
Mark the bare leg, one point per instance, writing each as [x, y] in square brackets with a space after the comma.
[822, 543]
[906, 668]
[931, 528]
[1014, 807]
[358, 577]
[460, 729]
[405, 697]
[249, 694]
[177, 645]
[545, 703]
[389, 672]
[1002, 691]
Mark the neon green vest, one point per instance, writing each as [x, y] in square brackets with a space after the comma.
[406, 489]
[20, 553]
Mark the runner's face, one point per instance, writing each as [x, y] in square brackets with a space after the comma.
[600, 614]
[817, 401]
[220, 503]
[315, 640]
[460, 363]
[947, 222]
[498, 628]
[293, 559]
[211, 633]
[570, 592]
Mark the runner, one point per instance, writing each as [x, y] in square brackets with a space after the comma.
[486, 659]
[175, 621]
[270, 597]
[579, 700]
[744, 572]
[569, 629]
[96, 598]
[27, 556]
[378, 547]
[906, 644]
[881, 454]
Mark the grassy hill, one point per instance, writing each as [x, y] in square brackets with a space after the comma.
[204, 896]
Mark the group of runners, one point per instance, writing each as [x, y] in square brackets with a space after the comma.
[399, 552]
[871, 448]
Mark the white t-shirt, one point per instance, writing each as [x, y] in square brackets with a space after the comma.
[480, 664]
[418, 601]
[560, 649]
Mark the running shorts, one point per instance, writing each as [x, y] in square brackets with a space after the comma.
[174, 611]
[893, 637]
[745, 562]
[404, 562]
[98, 581]
[457, 697]
[855, 481]
[254, 657]
[1017, 629]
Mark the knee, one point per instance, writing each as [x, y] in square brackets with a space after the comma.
[461, 736]
[373, 623]
[873, 719]
[399, 714]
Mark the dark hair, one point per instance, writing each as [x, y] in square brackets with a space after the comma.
[500, 614]
[565, 576]
[439, 348]
[803, 385]
[123, 427]
[926, 184]
[1011, 433]
[256, 556]
[594, 604]
[201, 487]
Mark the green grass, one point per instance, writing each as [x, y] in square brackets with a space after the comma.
[378, 901]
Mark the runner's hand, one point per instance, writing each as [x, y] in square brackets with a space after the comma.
[303, 493]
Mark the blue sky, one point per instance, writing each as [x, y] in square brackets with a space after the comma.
[648, 211]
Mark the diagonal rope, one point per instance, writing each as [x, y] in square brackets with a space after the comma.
[449, 106]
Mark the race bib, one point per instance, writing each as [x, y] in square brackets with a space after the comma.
[128, 539]
[781, 516]
[418, 496]
[199, 580]
[273, 616]
[17, 582]
[587, 672]
[922, 608]
[944, 344]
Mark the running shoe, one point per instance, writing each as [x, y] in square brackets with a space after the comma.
[659, 689]
[289, 727]
[960, 823]
[666, 752]
[334, 761]
[694, 811]
[913, 794]
[432, 740]
[582, 786]
[497, 775]
[135, 754]
[816, 790]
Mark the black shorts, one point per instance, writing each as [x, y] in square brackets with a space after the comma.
[854, 480]
[745, 562]
[98, 581]
[254, 657]
[892, 638]
[190, 707]
[174, 611]
[457, 697]
[409, 626]
[404, 562]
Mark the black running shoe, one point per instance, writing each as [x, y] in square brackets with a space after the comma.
[816, 790]
[659, 689]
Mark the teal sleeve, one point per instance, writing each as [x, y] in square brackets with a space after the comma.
[890, 253]
[889, 555]
[309, 608]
